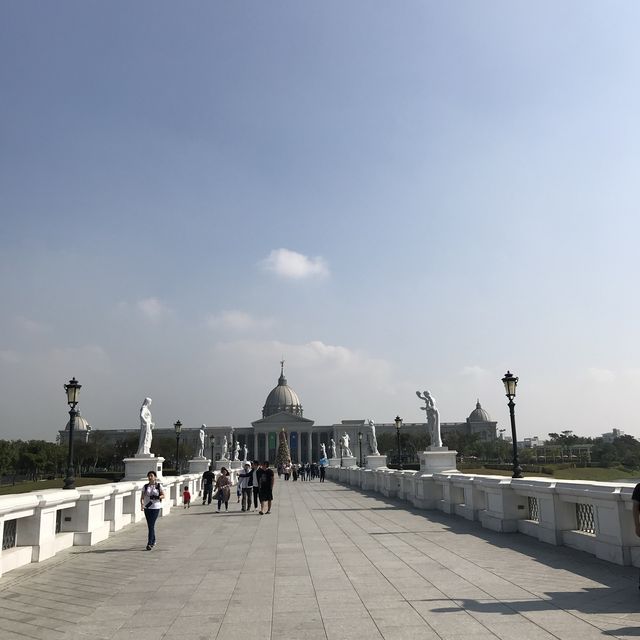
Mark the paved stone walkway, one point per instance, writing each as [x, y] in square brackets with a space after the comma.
[328, 563]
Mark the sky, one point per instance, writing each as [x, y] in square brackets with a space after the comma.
[390, 196]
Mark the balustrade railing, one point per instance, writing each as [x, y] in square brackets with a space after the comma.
[534, 509]
[9, 534]
[595, 517]
[37, 525]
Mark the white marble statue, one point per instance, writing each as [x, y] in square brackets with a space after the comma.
[332, 448]
[201, 447]
[146, 427]
[373, 441]
[245, 454]
[433, 417]
[236, 452]
[225, 448]
[345, 445]
[323, 451]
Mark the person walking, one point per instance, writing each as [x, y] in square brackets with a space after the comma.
[266, 480]
[245, 484]
[150, 499]
[223, 489]
[322, 472]
[186, 498]
[208, 478]
[255, 472]
[635, 497]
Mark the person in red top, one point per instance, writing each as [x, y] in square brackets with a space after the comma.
[186, 498]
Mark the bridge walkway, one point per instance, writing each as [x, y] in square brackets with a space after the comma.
[329, 563]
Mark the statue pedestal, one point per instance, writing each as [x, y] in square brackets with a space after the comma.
[334, 462]
[375, 462]
[136, 468]
[235, 464]
[348, 461]
[199, 465]
[222, 463]
[437, 460]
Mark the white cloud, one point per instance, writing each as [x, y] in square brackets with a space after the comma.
[333, 381]
[31, 326]
[601, 375]
[295, 266]
[309, 355]
[152, 308]
[236, 320]
[90, 357]
[9, 357]
[474, 371]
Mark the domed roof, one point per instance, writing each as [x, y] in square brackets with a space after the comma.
[479, 414]
[79, 424]
[282, 398]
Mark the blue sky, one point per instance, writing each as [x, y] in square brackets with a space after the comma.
[392, 196]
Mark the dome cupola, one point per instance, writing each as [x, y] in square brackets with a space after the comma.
[79, 424]
[479, 414]
[282, 398]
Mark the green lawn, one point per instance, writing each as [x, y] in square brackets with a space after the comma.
[25, 487]
[597, 474]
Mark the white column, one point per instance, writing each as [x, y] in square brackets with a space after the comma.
[254, 453]
[309, 445]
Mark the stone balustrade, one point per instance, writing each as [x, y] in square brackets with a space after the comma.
[37, 525]
[595, 517]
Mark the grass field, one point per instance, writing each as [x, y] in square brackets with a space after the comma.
[596, 474]
[25, 487]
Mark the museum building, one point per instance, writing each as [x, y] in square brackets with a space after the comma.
[283, 410]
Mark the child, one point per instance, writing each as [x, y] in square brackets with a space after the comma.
[186, 498]
[239, 491]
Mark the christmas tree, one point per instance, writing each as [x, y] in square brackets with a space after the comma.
[283, 457]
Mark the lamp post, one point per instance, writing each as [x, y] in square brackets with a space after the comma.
[212, 441]
[510, 383]
[73, 393]
[360, 444]
[398, 422]
[341, 445]
[178, 428]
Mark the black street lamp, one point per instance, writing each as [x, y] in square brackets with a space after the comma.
[341, 445]
[212, 441]
[178, 428]
[73, 393]
[398, 422]
[360, 444]
[510, 383]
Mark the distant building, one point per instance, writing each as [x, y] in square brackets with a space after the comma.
[478, 423]
[612, 435]
[283, 410]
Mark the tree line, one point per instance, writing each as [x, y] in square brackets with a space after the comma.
[623, 450]
[38, 459]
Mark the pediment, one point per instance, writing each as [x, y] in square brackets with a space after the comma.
[282, 418]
